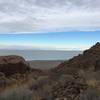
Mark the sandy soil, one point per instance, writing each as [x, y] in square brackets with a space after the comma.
[44, 64]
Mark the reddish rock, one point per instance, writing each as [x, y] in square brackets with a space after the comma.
[13, 64]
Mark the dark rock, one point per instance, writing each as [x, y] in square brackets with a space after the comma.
[13, 64]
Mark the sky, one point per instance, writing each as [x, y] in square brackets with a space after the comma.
[49, 24]
[50, 41]
[47, 15]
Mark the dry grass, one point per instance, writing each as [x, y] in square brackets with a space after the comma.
[92, 82]
[90, 94]
[16, 94]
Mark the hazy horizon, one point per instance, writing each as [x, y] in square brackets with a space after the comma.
[42, 44]
[41, 54]
[77, 40]
[49, 25]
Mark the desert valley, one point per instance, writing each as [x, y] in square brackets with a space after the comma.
[74, 79]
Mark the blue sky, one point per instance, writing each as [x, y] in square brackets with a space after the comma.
[49, 24]
[50, 41]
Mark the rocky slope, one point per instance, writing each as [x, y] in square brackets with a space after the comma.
[77, 75]
[89, 60]
[75, 79]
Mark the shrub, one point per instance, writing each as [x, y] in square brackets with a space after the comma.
[90, 94]
[92, 82]
[17, 94]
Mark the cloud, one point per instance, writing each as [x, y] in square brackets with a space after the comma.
[41, 47]
[49, 15]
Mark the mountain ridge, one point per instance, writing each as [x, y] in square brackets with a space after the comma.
[88, 60]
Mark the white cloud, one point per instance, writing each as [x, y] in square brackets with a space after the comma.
[49, 15]
[41, 47]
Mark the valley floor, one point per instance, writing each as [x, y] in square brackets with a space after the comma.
[44, 64]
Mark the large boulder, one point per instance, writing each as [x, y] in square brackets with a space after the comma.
[10, 65]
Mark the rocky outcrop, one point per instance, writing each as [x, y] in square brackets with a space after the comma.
[13, 64]
[70, 90]
[89, 60]
[79, 68]
[71, 80]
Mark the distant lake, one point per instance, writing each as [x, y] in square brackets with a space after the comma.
[41, 54]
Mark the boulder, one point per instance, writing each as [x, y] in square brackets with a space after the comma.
[10, 65]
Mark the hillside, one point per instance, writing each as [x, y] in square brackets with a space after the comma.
[74, 79]
[78, 74]
[89, 60]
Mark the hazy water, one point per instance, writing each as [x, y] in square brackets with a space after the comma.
[41, 54]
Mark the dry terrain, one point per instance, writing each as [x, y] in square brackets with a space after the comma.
[74, 79]
[44, 64]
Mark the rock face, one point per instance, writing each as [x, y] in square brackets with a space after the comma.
[71, 80]
[69, 90]
[79, 68]
[89, 60]
[13, 64]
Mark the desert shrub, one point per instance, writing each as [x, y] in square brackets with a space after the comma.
[2, 74]
[39, 83]
[4, 81]
[90, 94]
[92, 82]
[17, 94]
[41, 88]
[64, 78]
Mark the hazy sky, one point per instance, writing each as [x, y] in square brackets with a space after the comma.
[50, 41]
[49, 24]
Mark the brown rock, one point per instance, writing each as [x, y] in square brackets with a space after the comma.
[13, 64]
[69, 90]
[71, 87]
[89, 60]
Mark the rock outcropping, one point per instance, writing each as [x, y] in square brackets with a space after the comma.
[13, 64]
[89, 60]
[75, 79]
[84, 70]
